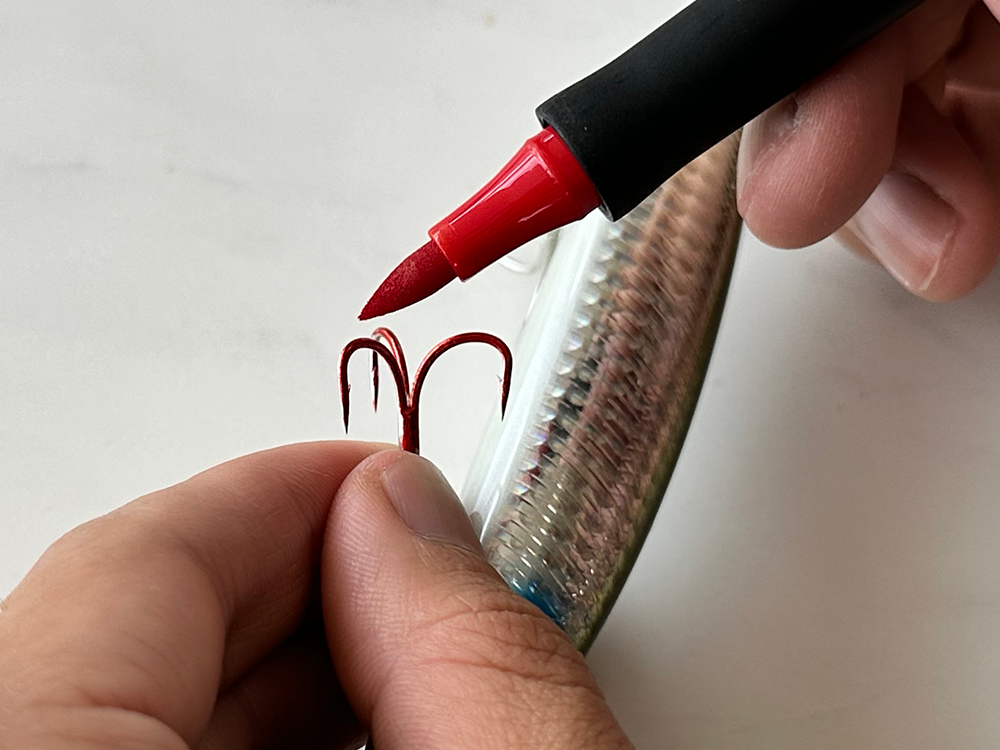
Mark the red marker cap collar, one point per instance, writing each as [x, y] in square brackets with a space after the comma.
[541, 189]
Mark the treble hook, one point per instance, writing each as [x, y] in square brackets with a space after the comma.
[384, 343]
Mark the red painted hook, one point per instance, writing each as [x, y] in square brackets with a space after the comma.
[383, 343]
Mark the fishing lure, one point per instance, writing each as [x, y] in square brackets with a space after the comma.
[613, 356]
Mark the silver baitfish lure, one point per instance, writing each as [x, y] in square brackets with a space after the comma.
[610, 364]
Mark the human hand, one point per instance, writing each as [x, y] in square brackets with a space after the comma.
[191, 619]
[913, 116]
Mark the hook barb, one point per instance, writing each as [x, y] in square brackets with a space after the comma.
[460, 340]
[378, 349]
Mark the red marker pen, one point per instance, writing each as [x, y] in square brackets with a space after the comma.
[610, 140]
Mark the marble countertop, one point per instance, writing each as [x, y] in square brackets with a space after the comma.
[196, 198]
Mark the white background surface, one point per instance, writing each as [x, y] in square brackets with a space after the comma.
[197, 197]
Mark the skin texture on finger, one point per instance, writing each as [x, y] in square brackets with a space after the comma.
[430, 645]
[934, 222]
[808, 165]
[137, 617]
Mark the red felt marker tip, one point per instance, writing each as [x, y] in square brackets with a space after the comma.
[542, 188]
[415, 279]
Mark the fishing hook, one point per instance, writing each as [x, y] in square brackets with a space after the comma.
[384, 343]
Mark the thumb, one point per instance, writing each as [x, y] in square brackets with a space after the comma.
[432, 649]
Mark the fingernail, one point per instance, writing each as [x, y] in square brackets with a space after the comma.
[849, 237]
[908, 227]
[426, 502]
[765, 133]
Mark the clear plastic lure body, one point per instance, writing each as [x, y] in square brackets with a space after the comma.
[611, 361]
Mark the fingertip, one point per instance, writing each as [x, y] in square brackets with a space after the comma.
[415, 490]
[762, 141]
[934, 221]
[808, 164]
[761, 137]
[969, 260]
